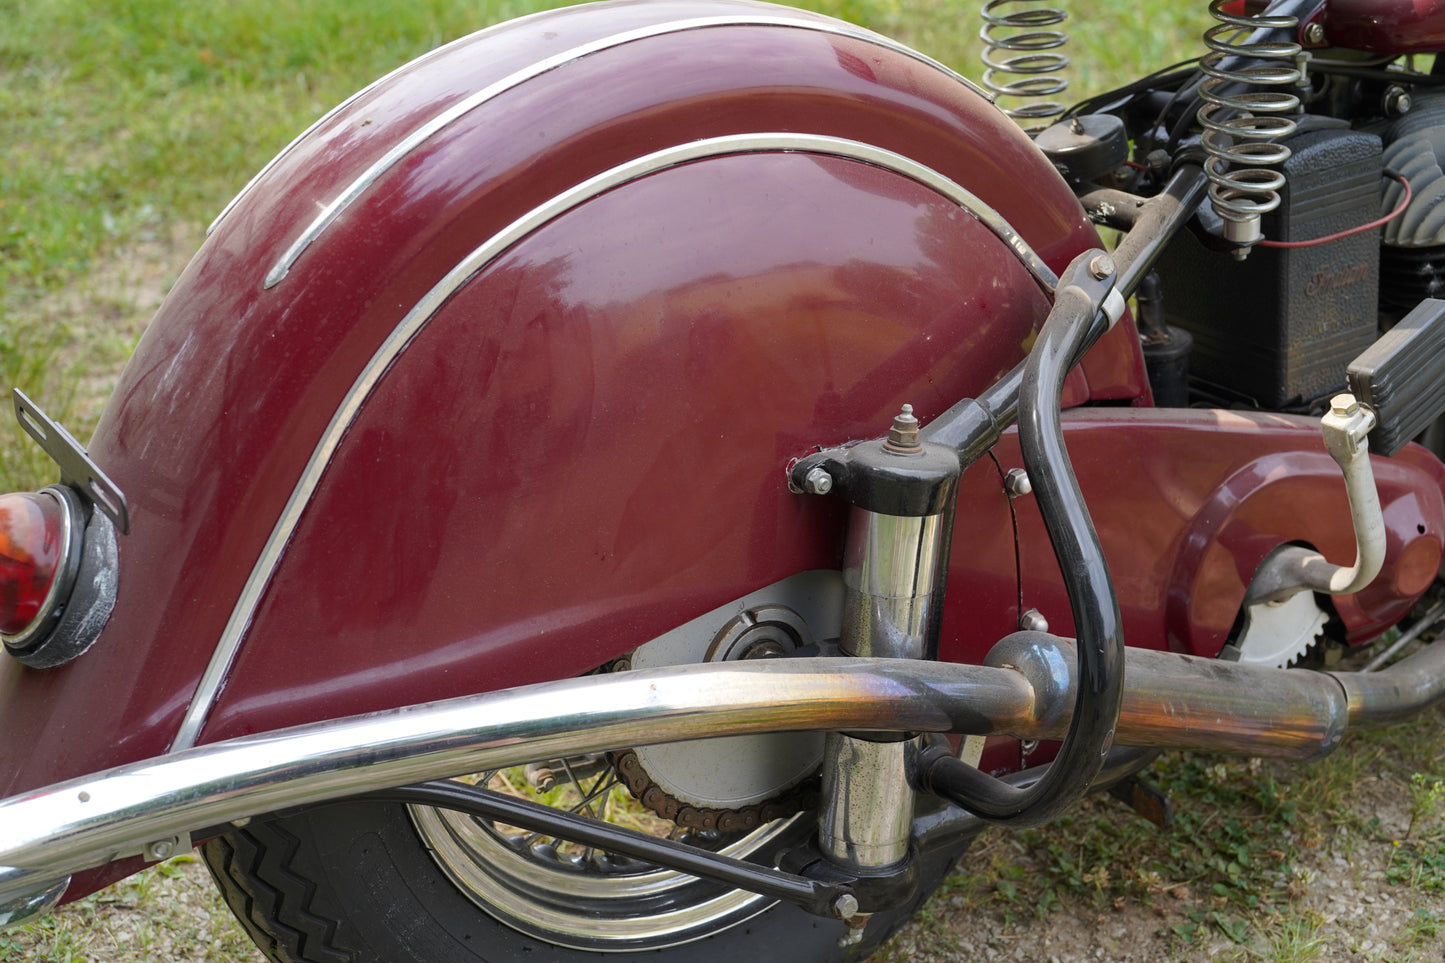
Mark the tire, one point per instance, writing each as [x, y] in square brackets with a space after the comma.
[354, 882]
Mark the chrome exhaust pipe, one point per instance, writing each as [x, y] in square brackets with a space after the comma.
[1024, 690]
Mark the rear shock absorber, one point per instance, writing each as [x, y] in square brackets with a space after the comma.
[1248, 102]
[1023, 59]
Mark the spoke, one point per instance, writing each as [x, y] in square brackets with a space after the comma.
[600, 789]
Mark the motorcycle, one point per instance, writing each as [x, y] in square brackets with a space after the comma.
[769, 442]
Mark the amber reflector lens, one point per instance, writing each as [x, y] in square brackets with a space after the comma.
[31, 547]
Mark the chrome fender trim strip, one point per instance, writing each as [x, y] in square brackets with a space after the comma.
[240, 620]
[461, 108]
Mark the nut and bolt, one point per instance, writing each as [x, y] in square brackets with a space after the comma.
[1102, 266]
[857, 922]
[1314, 34]
[1344, 405]
[1033, 621]
[1016, 482]
[540, 777]
[1396, 100]
[818, 482]
[160, 849]
[903, 434]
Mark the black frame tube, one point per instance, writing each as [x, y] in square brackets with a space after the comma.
[1071, 327]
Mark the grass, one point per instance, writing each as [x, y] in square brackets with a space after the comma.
[123, 132]
[127, 131]
[1235, 876]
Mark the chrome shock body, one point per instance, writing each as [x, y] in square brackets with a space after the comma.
[1023, 59]
[901, 492]
[891, 576]
[1248, 102]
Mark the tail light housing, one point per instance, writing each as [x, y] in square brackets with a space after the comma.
[57, 573]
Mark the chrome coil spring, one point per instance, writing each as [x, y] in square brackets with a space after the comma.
[1242, 122]
[1022, 59]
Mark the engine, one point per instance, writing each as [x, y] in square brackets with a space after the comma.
[1412, 260]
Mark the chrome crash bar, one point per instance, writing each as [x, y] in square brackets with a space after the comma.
[1025, 691]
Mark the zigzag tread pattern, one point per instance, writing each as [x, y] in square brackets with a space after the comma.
[252, 868]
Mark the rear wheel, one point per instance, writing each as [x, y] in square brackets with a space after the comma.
[372, 881]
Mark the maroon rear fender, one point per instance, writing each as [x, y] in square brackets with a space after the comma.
[496, 372]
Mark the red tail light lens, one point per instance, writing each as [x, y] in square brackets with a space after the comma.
[33, 542]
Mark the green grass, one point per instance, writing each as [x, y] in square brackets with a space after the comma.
[132, 124]
[1248, 840]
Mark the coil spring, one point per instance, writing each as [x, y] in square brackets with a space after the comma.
[1241, 143]
[1023, 42]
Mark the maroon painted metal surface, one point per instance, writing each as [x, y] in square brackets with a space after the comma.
[599, 426]
[233, 384]
[1383, 26]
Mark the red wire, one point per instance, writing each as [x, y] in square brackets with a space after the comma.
[1379, 222]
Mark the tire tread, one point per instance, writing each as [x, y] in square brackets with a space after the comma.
[252, 868]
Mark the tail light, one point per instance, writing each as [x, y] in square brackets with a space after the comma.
[57, 573]
[35, 534]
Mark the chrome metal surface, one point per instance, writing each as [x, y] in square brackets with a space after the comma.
[1172, 701]
[892, 572]
[451, 115]
[582, 897]
[868, 802]
[31, 899]
[1242, 122]
[1032, 620]
[1175, 701]
[95, 819]
[891, 566]
[1396, 693]
[1023, 59]
[241, 615]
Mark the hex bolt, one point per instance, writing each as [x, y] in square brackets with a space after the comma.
[1396, 100]
[818, 482]
[1016, 482]
[160, 849]
[1102, 266]
[1033, 621]
[903, 434]
[1314, 34]
[540, 776]
[845, 907]
[1344, 405]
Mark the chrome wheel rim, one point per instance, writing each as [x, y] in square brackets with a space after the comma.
[581, 897]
